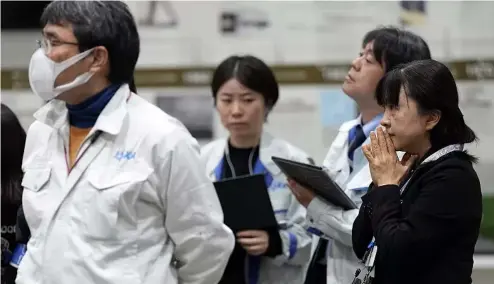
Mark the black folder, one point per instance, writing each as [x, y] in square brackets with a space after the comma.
[246, 204]
[316, 179]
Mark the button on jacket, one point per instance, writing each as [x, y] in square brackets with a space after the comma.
[136, 208]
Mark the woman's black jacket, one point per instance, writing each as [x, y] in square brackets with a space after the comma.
[427, 235]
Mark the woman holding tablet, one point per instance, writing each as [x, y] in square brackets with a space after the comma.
[245, 91]
[420, 219]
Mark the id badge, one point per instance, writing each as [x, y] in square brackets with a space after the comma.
[17, 255]
[369, 262]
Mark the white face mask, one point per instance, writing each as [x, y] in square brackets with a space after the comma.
[43, 72]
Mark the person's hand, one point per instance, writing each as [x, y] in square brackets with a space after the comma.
[254, 242]
[385, 167]
[303, 195]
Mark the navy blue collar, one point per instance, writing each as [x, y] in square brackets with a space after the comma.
[85, 114]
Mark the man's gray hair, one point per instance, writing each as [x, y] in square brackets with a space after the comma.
[100, 23]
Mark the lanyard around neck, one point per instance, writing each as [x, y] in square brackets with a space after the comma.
[230, 164]
[435, 156]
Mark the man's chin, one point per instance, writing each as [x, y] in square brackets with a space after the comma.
[348, 90]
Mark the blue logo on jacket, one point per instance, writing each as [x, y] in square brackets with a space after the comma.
[125, 155]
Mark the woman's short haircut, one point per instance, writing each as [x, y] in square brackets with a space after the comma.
[13, 141]
[251, 72]
[432, 86]
[393, 46]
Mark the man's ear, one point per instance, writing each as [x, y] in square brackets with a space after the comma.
[432, 119]
[100, 59]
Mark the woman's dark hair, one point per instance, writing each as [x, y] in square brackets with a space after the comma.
[132, 86]
[432, 86]
[393, 46]
[251, 72]
[13, 141]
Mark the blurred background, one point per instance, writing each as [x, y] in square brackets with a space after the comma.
[309, 44]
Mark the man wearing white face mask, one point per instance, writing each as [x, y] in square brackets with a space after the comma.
[114, 190]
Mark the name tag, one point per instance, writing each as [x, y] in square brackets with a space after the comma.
[371, 258]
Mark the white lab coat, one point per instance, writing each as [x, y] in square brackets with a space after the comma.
[133, 210]
[290, 267]
[335, 223]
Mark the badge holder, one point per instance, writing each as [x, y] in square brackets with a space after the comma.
[368, 261]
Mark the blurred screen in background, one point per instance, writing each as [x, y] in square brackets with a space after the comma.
[22, 15]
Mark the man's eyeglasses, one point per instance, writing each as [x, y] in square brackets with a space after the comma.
[46, 44]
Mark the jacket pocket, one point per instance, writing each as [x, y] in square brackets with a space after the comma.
[36, 179]
[35, 197]
[109, 213]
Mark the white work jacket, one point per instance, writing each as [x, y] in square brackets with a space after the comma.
[136, 208]
[290, 267]
[335, 223]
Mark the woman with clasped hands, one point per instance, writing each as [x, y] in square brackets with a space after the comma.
[421, 215]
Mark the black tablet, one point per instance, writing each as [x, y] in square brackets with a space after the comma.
[316, 179]
[246, 204]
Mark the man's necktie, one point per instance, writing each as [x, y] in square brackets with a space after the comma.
[356, 137]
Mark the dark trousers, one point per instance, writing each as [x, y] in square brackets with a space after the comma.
[316, 274]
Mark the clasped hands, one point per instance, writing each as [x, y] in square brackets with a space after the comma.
[255, 242]
[384, 165]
